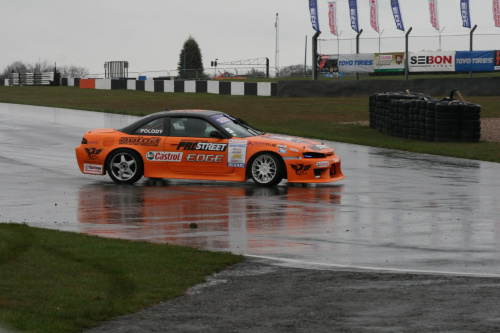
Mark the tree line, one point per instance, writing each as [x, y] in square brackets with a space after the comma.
[190, 66]
[44, 67]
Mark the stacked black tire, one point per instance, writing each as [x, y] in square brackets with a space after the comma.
[416, 117]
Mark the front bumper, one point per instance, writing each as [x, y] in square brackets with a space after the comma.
[314, 170]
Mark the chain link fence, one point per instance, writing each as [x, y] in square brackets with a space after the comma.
[447, 39]
[394, 41]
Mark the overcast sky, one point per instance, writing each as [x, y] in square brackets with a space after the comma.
[149, 34]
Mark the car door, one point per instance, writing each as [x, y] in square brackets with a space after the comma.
[200, 153]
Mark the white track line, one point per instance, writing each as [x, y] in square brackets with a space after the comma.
[369, 268]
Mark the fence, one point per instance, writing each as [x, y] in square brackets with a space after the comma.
[198, 74]
[423, 41]
[447, 39]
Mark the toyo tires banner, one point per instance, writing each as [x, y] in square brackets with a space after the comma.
[431, 62]
[474, 61]
[356, 63]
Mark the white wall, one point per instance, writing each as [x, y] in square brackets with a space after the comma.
[102, 84]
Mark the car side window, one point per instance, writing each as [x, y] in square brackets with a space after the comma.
[154, 127]
[190, 127]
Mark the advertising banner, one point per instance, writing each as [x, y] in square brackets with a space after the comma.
[474, 61]
[353, 12]
[374, 14]
[496, 12]
[465, 10]
[356, 63]
[496, 60]
[313, 9]
[431, 62]
[389, 62]
[332, 14]
[434, 14]
[398, 18]
[327, 64]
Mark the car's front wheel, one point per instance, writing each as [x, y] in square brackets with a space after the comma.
[266, 170]
[125, 166]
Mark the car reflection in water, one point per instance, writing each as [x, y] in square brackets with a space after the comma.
[229, 217]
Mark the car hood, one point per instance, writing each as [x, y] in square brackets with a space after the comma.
[300, 143]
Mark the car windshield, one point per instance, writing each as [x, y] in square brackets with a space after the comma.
[236, 127]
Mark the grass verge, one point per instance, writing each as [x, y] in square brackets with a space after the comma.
[54, 281]
[320, 118]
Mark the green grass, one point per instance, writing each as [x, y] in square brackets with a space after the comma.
[321, 118]
[54, 281]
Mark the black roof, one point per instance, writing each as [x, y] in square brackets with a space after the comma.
[173, 113]
[180, 113]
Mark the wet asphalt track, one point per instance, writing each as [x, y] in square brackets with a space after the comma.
[394, 212]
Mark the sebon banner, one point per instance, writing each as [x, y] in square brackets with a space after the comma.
[389, 62]
[431, 62]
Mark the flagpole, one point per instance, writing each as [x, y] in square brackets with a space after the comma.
[305, 58]
[406, 54]
[471, 44]
[315, 55]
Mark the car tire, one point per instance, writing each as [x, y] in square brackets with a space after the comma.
[125, 166]
[266, 170]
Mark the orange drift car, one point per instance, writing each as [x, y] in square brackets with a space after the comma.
[202, 144]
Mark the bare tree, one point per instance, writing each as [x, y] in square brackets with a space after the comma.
[294, 70]
[73, 71]
[43, 66]
[15, 67]
[40, 67]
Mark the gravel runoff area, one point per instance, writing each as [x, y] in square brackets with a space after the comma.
[254, 296]
[490, 129]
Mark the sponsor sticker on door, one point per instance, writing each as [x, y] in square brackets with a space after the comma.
[164, 156]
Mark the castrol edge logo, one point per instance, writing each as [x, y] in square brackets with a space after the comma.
[164, 156]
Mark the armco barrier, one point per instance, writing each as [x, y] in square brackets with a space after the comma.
[418, 117]
[181, 86]
[487, 86]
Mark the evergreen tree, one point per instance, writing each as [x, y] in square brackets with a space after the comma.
[190, 62]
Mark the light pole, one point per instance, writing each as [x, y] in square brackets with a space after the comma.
[277, 53]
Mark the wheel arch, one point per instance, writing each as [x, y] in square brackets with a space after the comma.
[248, 170]
[106, 161]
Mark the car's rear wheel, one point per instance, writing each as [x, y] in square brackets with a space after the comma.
[266, 170]
[125, 166]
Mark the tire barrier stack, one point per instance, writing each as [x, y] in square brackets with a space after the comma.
[30, 79]
[14, 79]
[418, 117]
[27, 79]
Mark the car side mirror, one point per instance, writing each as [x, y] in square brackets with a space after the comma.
[217, 134]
